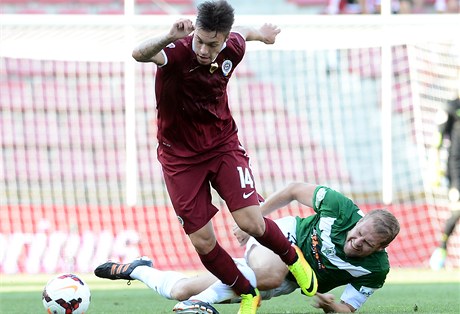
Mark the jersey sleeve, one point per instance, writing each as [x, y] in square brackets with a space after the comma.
[174, 52]
[238, 44]
[330, 203]
[354, 297]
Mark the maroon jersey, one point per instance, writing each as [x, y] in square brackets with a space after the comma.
[192, 102]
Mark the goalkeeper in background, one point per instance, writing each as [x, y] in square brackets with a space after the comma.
[448, 121]
[342, 247]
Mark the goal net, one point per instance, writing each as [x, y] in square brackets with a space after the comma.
[343, 101]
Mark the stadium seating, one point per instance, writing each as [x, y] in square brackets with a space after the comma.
[309, 2]
[171, 2]
[170, 7]
[150, 7]
[14, 2]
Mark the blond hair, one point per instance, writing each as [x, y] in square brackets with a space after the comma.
[385, 224]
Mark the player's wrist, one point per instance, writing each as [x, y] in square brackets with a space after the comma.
[169, 38]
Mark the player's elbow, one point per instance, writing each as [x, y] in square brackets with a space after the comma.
[137, 55]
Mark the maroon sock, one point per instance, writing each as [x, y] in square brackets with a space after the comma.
[275, 240]
[221, 265]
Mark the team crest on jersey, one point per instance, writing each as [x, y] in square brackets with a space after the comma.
[366, 291]
[227, 66]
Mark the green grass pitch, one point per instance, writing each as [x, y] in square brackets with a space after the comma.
[406, 291]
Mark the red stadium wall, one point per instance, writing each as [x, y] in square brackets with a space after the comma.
[51, 239]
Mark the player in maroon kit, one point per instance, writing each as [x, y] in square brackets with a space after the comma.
[198, 142]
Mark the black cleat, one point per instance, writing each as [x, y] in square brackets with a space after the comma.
[194, 307]
[113, 271]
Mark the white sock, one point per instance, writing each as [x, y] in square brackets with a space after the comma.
[219, 292]
[158, 280]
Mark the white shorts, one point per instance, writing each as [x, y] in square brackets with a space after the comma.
[288, 227]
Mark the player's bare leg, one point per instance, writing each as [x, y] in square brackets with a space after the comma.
[267, 233]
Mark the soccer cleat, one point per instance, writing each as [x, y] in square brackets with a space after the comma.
[250, 302]
[303, 274]
[438, 259]
[113, 271]
[194, 307]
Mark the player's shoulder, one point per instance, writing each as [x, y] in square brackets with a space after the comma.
[236, 42]
[179, 45]
[235, 35]
[178, 52]
[326, 193]
[377, 263]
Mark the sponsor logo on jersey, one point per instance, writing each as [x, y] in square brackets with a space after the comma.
[328, 251]
[366, 291]
[227, 67]
[171, 45]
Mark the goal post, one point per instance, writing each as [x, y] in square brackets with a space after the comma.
[344, 101]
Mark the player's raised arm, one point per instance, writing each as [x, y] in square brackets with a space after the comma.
[149, 50]
[297, 191]
[266, 33]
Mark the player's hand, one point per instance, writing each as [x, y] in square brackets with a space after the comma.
[240, 235]
[181, 28]
[325, 302]
[268, 33]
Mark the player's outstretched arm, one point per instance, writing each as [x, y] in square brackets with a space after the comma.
[266, 33]
[327, 303]
[149, 50]
[297, 191]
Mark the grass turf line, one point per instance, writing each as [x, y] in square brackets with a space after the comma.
[406, 291]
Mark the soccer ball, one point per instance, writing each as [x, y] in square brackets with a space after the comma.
[66, 294]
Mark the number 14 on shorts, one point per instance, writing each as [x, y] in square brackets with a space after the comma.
[245, 177]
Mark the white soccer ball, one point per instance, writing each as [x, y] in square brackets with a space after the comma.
[66, 294]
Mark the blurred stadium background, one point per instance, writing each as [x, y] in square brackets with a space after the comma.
[314, 107]
[111, 7]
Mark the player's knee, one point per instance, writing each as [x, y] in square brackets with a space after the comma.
[267, 282]
[250, 221]
[253, 229]
[203, 248]
[268, 275]
[203, 245]
[180, 293]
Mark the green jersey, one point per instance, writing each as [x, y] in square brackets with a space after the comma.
[322, 236]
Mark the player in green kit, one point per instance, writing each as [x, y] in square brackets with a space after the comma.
[343, 246]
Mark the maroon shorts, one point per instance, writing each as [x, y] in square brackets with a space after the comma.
[189, 185]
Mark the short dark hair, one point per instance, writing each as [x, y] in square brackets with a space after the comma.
[215, 16]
